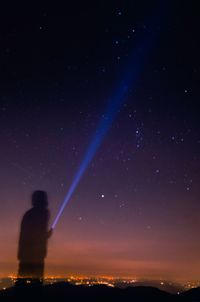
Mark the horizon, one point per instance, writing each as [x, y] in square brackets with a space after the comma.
[133, 279]
[129, 279]
[170, 286]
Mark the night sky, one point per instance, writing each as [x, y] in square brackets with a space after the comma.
[135, 212]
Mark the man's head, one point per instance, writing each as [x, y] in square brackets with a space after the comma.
[39, 199]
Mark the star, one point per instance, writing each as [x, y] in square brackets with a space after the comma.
[122, 205]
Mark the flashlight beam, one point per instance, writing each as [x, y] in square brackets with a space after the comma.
[104, 125]
[129, 80]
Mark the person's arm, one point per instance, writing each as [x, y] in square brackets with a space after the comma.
[49, 233]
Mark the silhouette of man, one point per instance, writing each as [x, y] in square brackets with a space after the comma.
[33, 238]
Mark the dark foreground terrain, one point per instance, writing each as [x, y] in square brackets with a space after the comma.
[67, 292]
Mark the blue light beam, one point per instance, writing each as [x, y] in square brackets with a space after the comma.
[100, 133]
[128, 81]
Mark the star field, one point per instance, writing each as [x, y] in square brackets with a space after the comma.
[135, 211]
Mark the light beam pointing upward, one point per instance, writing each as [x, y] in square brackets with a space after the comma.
[128, 81]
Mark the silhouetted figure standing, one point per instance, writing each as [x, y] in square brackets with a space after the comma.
[33, 238]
